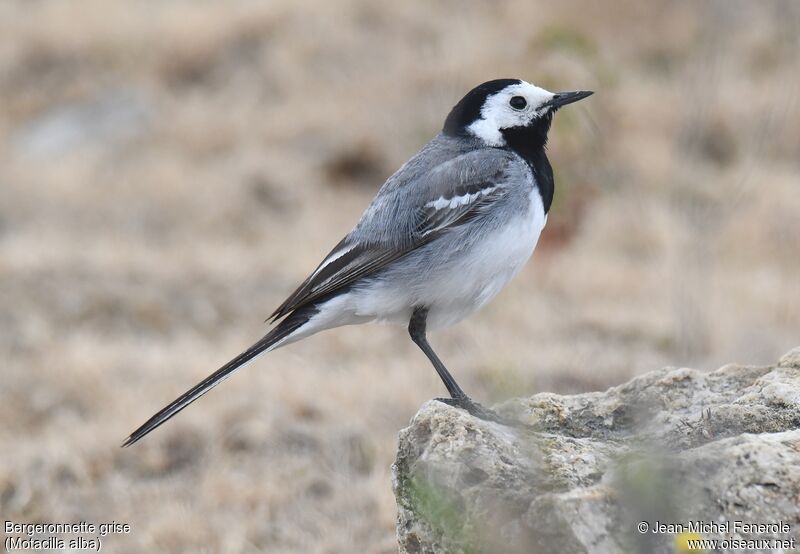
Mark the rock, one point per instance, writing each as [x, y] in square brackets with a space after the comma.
[581, 473]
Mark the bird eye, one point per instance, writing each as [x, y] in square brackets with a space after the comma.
[518, 102]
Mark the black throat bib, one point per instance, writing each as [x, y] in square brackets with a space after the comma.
[529, 142]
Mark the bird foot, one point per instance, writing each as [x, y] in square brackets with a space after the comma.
[475, 409]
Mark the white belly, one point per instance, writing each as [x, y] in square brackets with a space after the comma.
[488, 267]
[464, 285]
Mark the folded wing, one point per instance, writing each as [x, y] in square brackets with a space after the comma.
[450, 194]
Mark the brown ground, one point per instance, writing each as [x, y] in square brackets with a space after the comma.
[171, 170]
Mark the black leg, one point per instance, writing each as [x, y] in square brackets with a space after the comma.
[458, 398]
[416, 328]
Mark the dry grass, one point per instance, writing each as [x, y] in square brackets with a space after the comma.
[171, 170]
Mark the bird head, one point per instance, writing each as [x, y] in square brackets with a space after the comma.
[496, 109]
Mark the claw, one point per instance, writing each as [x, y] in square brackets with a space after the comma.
[481, 412]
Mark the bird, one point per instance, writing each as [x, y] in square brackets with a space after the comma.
[443, 235]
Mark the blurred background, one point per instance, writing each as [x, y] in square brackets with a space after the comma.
[172, 170]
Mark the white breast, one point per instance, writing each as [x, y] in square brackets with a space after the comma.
[486, 268]
[454, 286]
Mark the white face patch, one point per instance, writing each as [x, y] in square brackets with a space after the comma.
[497, 113]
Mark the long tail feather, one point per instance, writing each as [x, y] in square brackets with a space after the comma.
[271, 340]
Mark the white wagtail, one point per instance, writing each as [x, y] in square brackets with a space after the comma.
[442, 236]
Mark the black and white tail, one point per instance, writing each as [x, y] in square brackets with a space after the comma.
[279, 336]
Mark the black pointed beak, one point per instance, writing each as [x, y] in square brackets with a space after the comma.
[563, 98]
